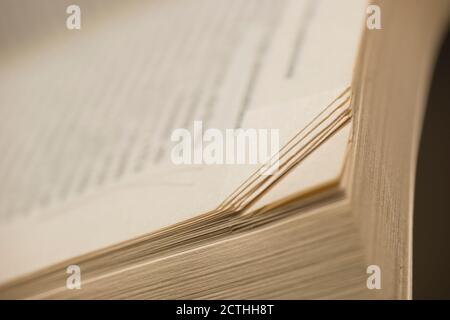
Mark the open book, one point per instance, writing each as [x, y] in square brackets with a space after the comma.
[94, 175]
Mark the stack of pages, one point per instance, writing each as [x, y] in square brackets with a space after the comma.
[116, 160]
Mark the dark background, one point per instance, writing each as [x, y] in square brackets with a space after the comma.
[431, 248]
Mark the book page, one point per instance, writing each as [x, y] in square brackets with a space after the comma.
[86, 115]
[99, 105]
